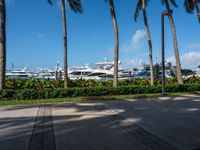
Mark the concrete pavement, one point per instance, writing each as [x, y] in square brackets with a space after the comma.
[140, 124]
[16, 124]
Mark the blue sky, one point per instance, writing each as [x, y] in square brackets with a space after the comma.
[35, 37]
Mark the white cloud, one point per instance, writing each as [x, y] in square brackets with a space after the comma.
[189, 60]
[136, 41]
[133, 63]
[193, 46]
[40, 35]
[138, 36]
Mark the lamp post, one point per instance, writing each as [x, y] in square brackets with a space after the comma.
[164, 13]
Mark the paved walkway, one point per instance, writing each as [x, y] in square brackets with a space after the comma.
[142, 124]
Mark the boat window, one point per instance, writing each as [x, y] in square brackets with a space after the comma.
[143, 73]
[86, 73]
[109, 76]
[96, 74]
[80, 73]
[76, 73]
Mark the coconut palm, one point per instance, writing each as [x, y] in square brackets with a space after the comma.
[2, 43]
[191, 5]
[116, 51]
[141, 6]
[176, 50]
[76, 6]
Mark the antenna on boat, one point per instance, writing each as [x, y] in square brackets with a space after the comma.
[12, 65]
[58, 71]
[106, 59]
[57, 66]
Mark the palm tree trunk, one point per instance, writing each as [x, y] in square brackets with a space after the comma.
[198, 11]
[64, 20]
[149, 40]
[2, 43]
[116, 51]
[176, 50]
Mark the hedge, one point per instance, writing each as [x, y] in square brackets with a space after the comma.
[32, 83]
[95, 91]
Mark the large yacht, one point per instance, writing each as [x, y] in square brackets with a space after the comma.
[18, 73]
[98, 71]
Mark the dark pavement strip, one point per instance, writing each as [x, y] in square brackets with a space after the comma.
[43, 133]
[150, 140]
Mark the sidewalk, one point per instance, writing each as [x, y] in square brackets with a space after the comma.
[142, 124]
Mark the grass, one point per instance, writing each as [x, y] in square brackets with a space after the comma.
[88, 99]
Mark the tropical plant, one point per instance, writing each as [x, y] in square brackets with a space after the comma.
[17, 84]
[76, 6]
[176, 50]
[116, 51]
[191, 5]
[141, 6]
[25, 94]
[2, 43]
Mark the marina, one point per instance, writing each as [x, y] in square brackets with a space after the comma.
[99, 71]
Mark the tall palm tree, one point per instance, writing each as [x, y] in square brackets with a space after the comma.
[76, 6]
[191, 5]
[116, 51]
[176, 50]
[141, 6]
[2, 43]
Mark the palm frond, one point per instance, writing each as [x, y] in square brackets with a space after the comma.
[173, 2]
[162, 2]
[50, 2]
[138, 8]
[76, 6]
[189, 6]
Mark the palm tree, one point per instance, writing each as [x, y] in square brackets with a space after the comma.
[190, 5]
[141, 6]
[2, 43]
[176, 50]
[116, 51]
[76, 6]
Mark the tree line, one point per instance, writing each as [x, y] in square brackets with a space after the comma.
[76, 5]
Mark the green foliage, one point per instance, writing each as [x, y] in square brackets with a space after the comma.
[23, 94]
[75, 5]
[6, 94]
[192, 80]
[17, 84]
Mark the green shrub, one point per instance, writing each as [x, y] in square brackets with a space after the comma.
[27, 94]
[6, 94]
[52, 84]
[93, 91]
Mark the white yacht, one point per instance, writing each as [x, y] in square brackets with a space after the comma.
[19, 73]
[98, 71]
[45, 74]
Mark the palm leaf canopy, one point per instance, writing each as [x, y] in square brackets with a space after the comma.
[138, 8]
[190, 5]
[173, 2]
[75, 5]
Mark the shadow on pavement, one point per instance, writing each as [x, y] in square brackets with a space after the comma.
[107, 125]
